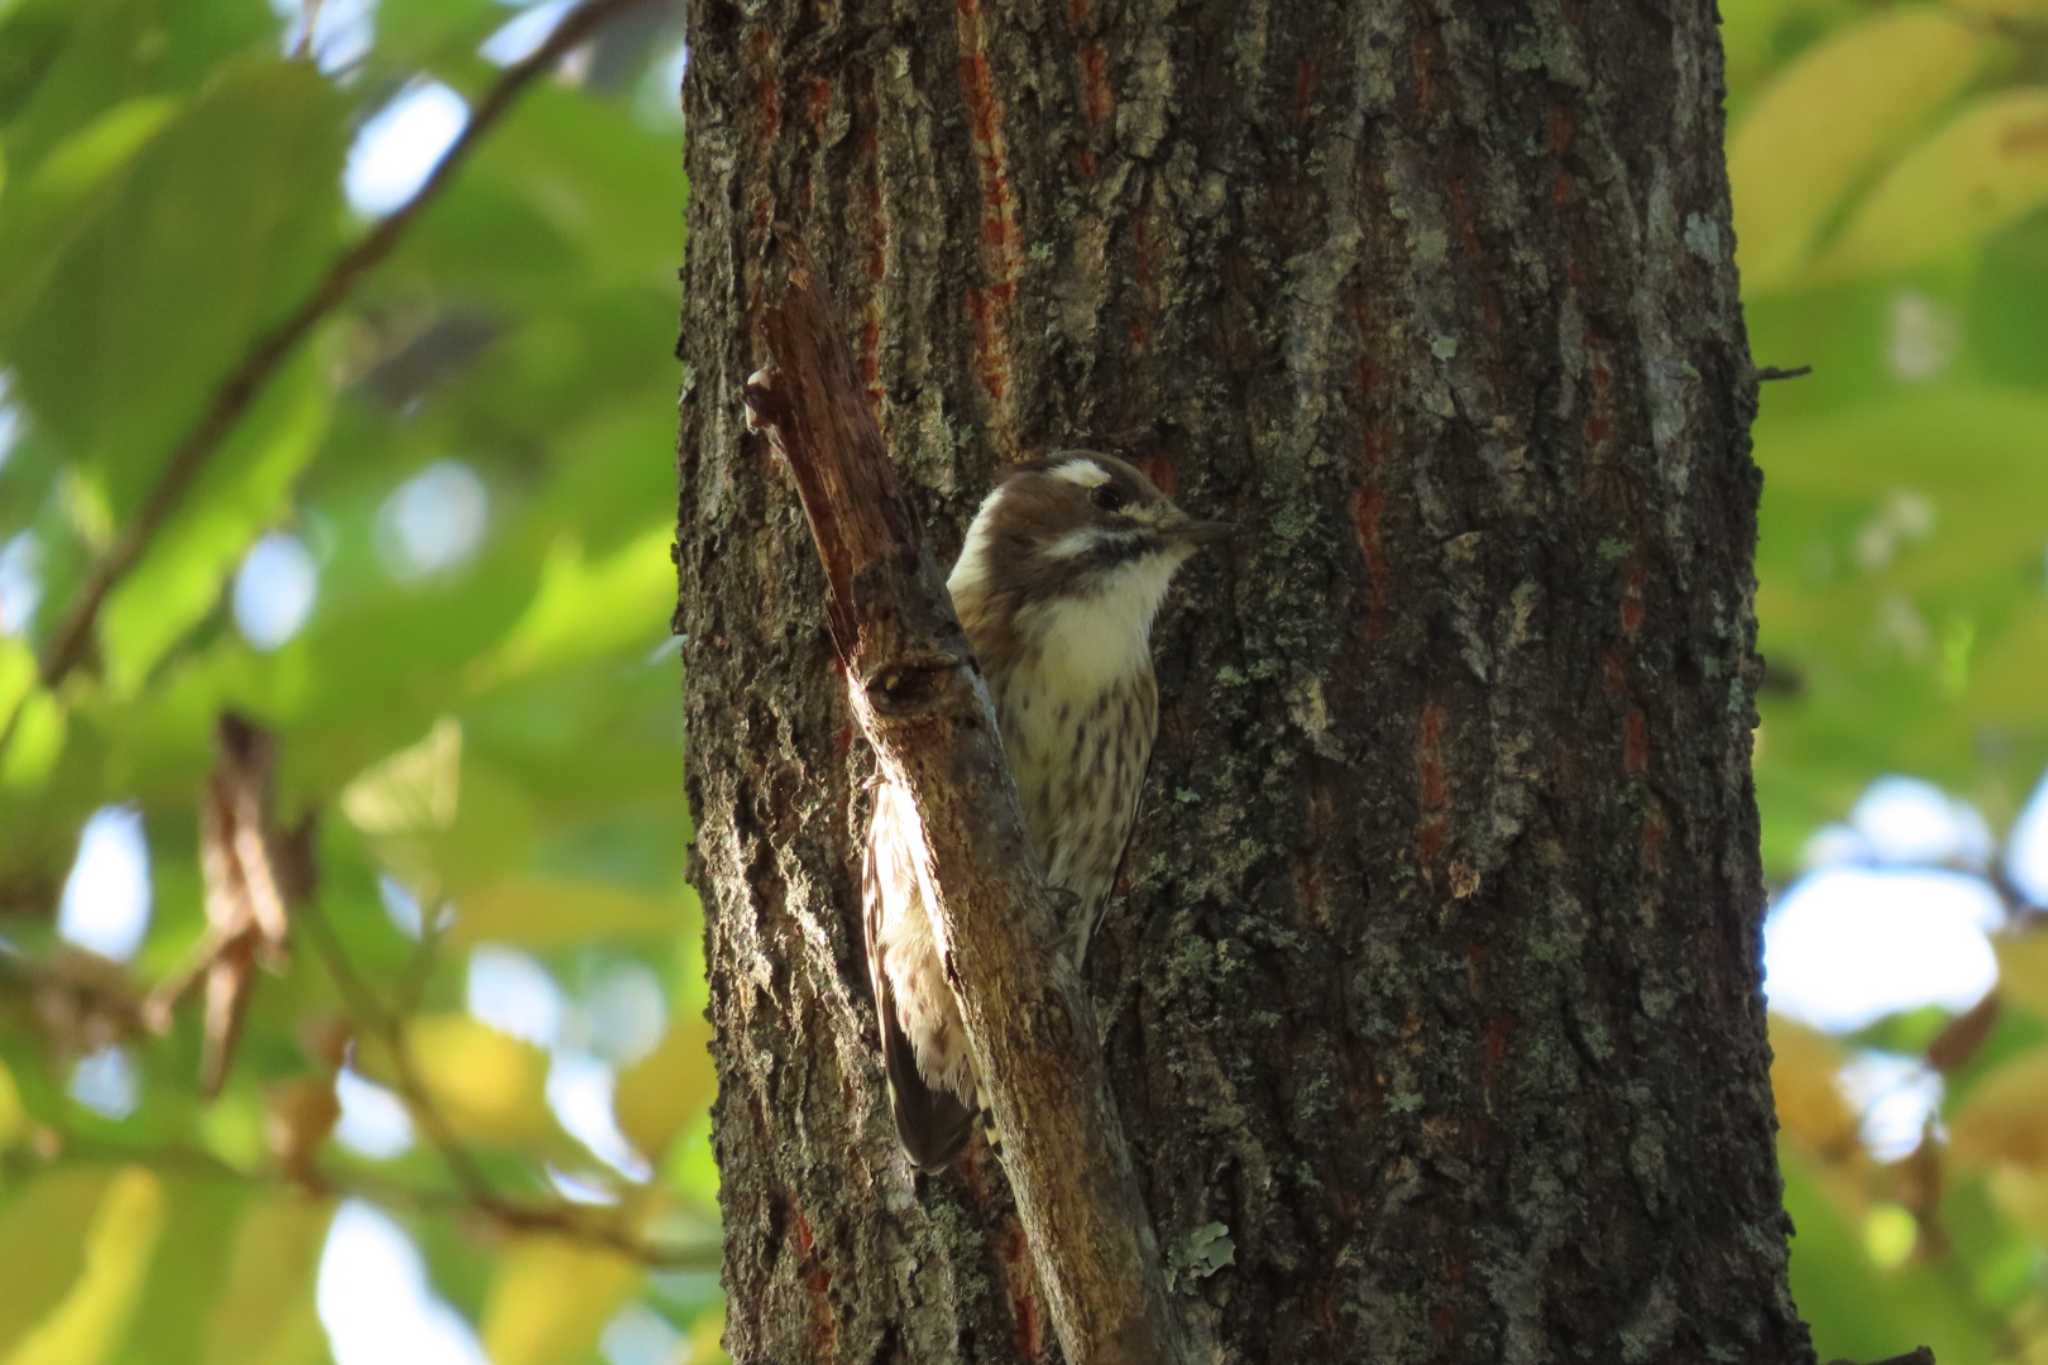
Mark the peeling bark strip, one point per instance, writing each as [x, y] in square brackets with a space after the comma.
[1431, 1001]
[920, 700]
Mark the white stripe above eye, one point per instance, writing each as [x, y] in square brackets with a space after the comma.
[1086, 473]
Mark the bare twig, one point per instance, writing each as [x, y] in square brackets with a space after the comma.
[1767, 373]
[919, 697]
[70, 643]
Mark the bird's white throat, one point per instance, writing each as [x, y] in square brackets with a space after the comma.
[1088, 641]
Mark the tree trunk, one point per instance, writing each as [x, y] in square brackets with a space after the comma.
[1432, 992]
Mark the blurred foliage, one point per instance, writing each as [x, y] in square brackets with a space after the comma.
[472, 460]
[1890, 175]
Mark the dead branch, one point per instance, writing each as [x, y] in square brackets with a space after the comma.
[257, 873]
[921, 701]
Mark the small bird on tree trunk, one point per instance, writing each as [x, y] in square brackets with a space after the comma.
[1064, 568]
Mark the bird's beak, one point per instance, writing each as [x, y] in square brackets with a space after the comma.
[1202, 532]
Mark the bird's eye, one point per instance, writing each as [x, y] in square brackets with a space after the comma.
[1109, 497]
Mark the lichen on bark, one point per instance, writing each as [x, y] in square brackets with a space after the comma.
[1434, 975]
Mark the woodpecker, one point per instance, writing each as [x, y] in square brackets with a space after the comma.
[1064, 567]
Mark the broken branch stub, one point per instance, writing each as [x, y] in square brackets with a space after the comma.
[919, 698]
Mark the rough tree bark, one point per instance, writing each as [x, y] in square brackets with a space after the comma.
[925, 710]
[1434, 981]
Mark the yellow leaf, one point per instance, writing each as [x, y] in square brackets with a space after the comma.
[42, 1244]
[2023, 1197]
[541, 912]
[1985, 168]
[439, 820]
[415, 789]
[489, 1086]
[1829, 119]
[13, 1117]
[38, 740]
[558, 624]
[1811, 1109]
[86, 1326]
[264, 1309]
[1890, 1233]
[551, 1299]
[662, 1093]
[705, 1345]
[2006, 1117]
[2023, 970]
[2004, 9]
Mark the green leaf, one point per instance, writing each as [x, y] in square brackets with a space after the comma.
[63, 62]
[489, 1086]
[1988, 166]
[440, 821]
[551, 1299]
[243, 489]
[1855, 1309]
[1757, 35]
[1830, 118]
[216, 229]
[546, 913]
[570, 175]
[42, 1243]
[38, 738]
[669, 1089]
[62, 196]
[1904, 594]
[120, 1242]
[431, 32]
[263, 1313]
[185, 1270]
[635, 584]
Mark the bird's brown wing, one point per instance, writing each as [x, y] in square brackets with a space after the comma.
[933, 1124]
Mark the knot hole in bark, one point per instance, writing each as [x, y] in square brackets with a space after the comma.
[904, 687]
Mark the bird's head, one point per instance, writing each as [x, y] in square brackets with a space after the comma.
[1077, 527]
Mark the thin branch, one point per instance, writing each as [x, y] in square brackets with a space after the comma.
[371, 1014]
[309, 15]
[568, 1221]
[477, 1195]
[1767, 373]
[571, 1222]
[69, 645]
[920, 700]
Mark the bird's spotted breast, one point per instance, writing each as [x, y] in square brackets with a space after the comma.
[1062, 572]
[1079, 762]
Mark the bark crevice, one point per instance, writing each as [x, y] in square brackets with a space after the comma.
[1434, 973]
[923, 708]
